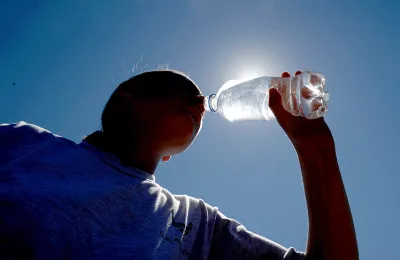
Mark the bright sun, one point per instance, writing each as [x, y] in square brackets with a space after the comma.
[250, 73]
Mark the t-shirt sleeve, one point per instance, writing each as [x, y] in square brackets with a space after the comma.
[231, 240]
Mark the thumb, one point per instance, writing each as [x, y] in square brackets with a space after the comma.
[275, 101]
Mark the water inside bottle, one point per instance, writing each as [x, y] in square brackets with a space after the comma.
[243, 100]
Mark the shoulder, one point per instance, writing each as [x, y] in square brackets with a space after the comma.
[21, 138]
[21, 128]
[22, 133]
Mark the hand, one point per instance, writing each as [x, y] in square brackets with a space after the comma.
[303, 133]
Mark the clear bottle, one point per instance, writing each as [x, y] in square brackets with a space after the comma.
[302, 95]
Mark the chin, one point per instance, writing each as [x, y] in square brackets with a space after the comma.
[180, 134]
[179, 143]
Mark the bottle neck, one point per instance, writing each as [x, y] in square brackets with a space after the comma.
[210, 103]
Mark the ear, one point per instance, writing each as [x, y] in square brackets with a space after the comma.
[166, 158]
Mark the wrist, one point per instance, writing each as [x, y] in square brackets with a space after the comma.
[315, 146]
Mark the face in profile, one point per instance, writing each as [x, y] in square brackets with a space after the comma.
[167, 107]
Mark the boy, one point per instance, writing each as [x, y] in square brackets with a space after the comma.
[99, 199]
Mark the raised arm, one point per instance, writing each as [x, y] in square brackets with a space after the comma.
[331, 230]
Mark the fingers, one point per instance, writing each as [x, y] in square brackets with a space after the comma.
[287, 74]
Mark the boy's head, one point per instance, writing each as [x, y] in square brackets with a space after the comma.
[163, 109]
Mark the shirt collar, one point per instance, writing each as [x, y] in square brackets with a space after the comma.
[114, 161]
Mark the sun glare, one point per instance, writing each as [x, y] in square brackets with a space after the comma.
[249, 75]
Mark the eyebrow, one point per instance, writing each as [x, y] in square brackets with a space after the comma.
[193, 91]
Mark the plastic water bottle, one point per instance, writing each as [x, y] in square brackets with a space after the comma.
[302, 95]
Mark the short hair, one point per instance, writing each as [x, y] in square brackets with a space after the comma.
[155, 79]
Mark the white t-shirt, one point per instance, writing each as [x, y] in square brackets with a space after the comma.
[59, 199]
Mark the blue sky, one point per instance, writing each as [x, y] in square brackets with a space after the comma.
[60, 60]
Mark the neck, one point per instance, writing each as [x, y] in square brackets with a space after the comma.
[135, 153]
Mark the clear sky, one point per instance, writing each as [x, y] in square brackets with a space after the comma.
[60, 61]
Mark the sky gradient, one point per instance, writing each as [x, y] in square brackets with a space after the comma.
[60, 61]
